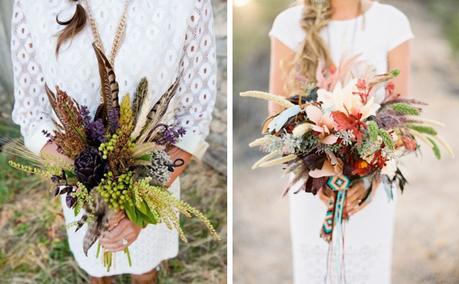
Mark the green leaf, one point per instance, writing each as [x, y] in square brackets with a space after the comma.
[131, 213]
[151, 217]
[435, 148]
[146, 157]
[142, 206]
[423, 129]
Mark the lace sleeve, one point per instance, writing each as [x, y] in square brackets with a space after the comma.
[197, 88]
[32, 111]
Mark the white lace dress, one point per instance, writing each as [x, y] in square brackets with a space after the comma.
[162, 37]
[369, 233]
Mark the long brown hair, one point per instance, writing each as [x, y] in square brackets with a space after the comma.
[72, 27]
[316, 16]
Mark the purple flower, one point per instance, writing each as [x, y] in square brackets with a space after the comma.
[172, 134]
[113, 120]
[96, 131]
[85, 114]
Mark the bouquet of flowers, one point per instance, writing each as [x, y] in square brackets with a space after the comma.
[118, 160]
[339, 133]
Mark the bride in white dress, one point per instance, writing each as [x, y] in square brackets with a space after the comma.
[161, 40]
[306, 34]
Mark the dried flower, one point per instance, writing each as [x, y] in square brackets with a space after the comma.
[159, 168]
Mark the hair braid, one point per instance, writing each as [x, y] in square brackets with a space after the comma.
[316, 16]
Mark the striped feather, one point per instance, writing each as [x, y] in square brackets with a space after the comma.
[157, 112]
[140, 95]
[102, 214]
[109, 86]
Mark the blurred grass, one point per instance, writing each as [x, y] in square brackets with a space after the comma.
[33, 243]
[447, 12]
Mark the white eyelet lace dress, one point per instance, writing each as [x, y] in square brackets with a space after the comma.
[163, 38]
[369, 233]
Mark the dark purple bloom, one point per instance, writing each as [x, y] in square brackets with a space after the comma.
[113, 120]
[96, 131]
[90, 167]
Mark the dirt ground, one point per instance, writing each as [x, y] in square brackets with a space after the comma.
[426, 237]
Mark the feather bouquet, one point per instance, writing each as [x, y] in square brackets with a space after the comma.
[118, 160]
[339, 133]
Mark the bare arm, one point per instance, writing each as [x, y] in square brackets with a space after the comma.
[177, 153]
[400, 58]
[280, 54]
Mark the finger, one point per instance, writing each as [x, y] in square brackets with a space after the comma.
[356, 198]
[117, 231]
[118, 245]
[115, 221]
[357, 208]
[355, 189]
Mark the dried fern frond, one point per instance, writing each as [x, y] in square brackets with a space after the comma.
[70, 135]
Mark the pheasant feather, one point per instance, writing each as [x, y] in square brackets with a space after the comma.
[139, 98]
[157, 112]
[109, 86]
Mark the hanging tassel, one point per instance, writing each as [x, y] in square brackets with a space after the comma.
[333, 229]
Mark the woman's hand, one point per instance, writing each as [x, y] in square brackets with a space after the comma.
[358, 197]
[120, 229]
[325, 194]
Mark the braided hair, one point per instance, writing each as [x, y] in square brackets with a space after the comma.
[316, 16]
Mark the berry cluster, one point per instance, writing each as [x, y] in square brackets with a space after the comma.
[115, 190]
[108, 147]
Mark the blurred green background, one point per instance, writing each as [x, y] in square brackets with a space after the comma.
[33, 244]
[426, 241]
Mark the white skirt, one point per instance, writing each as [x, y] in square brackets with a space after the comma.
[368, 240]
[154, 244]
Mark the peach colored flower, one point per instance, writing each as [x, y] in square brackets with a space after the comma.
[323, 124]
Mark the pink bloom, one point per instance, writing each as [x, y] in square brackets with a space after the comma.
[323, 124]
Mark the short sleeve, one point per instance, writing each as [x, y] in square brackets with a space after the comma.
[197, 88]
[287, 28]
[399, 28]
[31, 111]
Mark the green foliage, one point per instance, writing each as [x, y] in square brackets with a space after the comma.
[60, 250]
[423, 129]
[405, 109]
[447, 12]
[373, 131]
[435, 148]
[387, 139]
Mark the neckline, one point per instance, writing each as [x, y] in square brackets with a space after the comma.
[356, 18]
